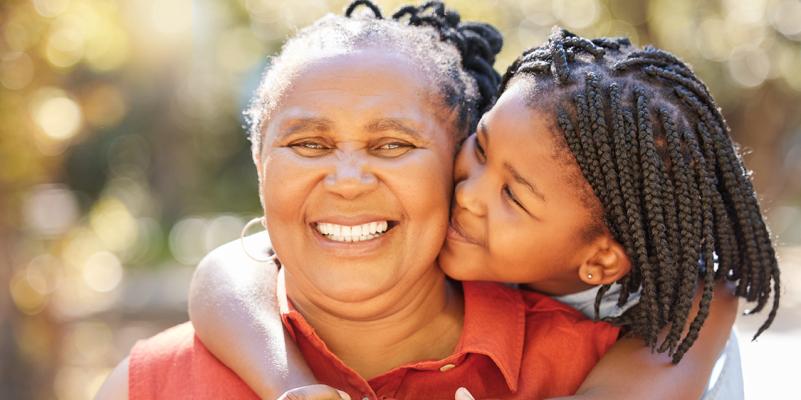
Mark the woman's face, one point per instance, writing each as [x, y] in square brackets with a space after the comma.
[356, 176]
[518, 214]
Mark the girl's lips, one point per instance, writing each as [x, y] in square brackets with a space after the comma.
[456, 232]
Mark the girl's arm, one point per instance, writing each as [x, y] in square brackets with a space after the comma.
[629, 370]
[233, 308]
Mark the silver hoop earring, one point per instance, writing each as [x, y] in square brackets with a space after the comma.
[260, 220]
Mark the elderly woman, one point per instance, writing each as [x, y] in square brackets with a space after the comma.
[358, 126]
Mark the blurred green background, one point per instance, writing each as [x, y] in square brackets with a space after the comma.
[123, 159]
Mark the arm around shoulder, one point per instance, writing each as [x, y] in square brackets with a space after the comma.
[116, 385]
[630, 370]
[232, 299]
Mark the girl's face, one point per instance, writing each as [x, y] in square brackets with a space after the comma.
[518, 214]
[356, 176]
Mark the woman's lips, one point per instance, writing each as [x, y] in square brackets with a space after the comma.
[353, 249]
[456, 232]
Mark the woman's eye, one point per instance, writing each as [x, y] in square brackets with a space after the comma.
[393, 149]
[480, 154]
[309, 148]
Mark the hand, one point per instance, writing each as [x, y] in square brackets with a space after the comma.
[314, 392]
[463, 394]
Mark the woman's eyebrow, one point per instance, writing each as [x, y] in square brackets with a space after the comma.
[393, 124]
[519, 179]
[295, 125]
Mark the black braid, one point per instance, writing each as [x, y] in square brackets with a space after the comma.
[367, 3]
[478, 43]
[654, 148]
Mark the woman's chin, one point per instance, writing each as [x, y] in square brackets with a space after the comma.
[355, 289]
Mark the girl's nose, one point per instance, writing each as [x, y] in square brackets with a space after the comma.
[468, 196]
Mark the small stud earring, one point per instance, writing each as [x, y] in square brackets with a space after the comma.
[589, 276]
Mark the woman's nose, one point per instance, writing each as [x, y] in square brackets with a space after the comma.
[351, 176]
[468, 196]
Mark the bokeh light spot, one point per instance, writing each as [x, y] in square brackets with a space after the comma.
[50, 209]
[57, 115]
[749, 66]
[65, 47]
[186, 243]
[577, 14]
[113, 223]
[25, 296]
[786, 17]
[102, 272]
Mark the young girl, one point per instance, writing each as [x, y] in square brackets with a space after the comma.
[600, 163]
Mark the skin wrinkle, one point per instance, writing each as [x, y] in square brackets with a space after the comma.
[332, 36]
[344, 295]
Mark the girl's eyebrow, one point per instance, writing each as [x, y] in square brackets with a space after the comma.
[482, 130]
[519, 179]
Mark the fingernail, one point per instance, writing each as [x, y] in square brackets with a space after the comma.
[343, 395]
[464, 394]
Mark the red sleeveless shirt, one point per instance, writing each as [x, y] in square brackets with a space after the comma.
[514, 346]
[175, 365]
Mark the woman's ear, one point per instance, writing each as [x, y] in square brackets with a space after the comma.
[607, 263]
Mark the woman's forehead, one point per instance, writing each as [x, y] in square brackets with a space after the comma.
[362, 69]
[363, 85]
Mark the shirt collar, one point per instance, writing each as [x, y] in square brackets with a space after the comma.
[494, 324]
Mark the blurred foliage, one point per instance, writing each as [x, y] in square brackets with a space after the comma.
[123, 156]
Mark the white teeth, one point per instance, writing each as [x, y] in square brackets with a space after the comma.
[357, 233]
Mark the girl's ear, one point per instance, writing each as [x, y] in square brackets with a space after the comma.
[607, 263]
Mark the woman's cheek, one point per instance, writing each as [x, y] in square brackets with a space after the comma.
[289, 179]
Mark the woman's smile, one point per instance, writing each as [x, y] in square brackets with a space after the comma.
[353, 236]
[357, 195]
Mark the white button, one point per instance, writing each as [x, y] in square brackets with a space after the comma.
[447, 367]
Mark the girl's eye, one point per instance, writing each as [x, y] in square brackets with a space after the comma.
[507, 191]
[480, 154]
[392, 149]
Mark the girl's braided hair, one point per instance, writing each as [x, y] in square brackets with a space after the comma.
[457, 56]
[656, 151]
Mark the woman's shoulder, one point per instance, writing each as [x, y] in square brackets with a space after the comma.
[176, 364]
[168, 343]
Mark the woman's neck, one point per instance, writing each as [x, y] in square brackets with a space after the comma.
[423, 322]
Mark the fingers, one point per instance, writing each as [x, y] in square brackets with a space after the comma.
[463, 394]
[314, 392]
